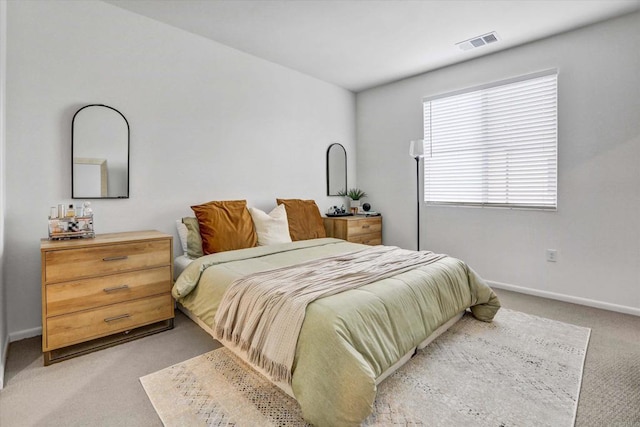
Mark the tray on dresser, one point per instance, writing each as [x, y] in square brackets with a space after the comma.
[71, 227]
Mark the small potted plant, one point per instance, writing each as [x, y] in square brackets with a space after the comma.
[355, 194]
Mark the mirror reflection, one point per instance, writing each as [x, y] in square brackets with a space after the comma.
[99, 153]
[336, 169]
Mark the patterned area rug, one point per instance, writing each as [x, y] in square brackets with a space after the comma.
[520, 370]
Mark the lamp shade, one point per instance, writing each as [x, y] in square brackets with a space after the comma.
[416, 148]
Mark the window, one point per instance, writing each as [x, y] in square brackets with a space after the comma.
[494, 145]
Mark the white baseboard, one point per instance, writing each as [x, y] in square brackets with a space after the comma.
[566, 298]
[34, 332]
[27, 333]
[3, 361]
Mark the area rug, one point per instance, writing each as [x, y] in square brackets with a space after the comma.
[519, 370]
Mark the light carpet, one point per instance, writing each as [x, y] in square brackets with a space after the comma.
[519, 370]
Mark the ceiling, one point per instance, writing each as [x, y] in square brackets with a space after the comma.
[358, 44]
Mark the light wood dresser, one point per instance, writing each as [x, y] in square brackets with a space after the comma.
[103, 291]
[356, 229]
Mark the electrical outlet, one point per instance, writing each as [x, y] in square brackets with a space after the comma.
[552, 255]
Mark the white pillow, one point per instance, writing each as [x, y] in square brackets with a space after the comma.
[182, 234]
[271, 228]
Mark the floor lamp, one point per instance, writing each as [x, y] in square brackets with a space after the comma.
[416, 150]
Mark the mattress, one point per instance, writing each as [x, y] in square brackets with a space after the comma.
[179, 264]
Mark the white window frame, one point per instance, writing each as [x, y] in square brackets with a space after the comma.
[506, 156]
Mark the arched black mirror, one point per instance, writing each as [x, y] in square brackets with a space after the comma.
[336, 169]
[99, 153]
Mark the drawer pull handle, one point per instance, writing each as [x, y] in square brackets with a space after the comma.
[366, 226]
[115, 258]
[116, 288]
[122, 316]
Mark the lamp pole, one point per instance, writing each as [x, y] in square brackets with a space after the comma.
[416, 150]
[418, 197]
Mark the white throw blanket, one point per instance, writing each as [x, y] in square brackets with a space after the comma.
[263, 312]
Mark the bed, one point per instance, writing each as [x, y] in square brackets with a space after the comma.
[349, 341]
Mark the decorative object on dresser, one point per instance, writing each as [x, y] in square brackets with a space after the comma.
[338, 211]
[356, 229]
[103, 291]
[74, 222]
[355, 194]
[366, 210]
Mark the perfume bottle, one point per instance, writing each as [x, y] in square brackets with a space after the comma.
[88, 211]
[70, 211]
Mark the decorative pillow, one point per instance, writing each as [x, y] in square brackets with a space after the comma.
[225, 226]
[182, 235]
[194, 241]
[271, 228]
[305, 221]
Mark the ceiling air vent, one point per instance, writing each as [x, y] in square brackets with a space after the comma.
[478, 41]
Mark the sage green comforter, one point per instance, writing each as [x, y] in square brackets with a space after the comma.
[347, 340]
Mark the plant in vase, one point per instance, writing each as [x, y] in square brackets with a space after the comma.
[355, 194]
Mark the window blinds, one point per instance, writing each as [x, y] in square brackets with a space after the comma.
[494, 145]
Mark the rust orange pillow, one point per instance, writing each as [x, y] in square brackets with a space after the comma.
[225, 226]
[305, 221]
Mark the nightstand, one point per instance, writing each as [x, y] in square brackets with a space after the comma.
[105, 290]
[356, 229]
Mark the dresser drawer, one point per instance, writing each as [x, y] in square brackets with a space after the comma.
[95, 292]
[367, 239]
[363, 226]
[81, 326]
[364, 230]
[71, 264]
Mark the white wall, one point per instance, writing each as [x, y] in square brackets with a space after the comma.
[596, 229]
[4, 337]
[207, 123]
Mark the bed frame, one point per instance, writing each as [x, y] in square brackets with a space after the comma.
[286, 387]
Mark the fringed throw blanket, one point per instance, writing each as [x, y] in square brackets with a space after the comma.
[263, 312]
